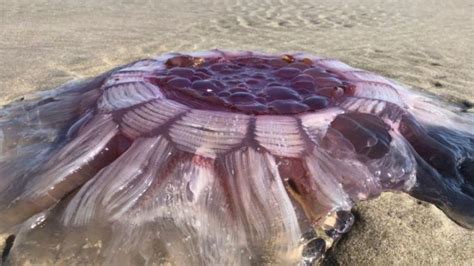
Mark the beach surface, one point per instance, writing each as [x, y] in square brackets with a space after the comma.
[425, 44]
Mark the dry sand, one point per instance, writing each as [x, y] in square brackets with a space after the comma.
[426, 44]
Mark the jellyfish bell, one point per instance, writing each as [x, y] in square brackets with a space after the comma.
[221, 157]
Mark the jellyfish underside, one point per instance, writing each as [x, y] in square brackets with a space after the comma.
[220, 158]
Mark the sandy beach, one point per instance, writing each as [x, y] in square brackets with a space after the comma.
[425, 44]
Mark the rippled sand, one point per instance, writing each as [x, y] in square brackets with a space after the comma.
[425, 44]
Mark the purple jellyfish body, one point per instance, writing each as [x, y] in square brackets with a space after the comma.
[220, 158]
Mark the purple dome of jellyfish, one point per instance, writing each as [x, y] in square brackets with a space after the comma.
[220, 158]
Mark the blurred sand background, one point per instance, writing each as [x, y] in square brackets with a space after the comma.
[427, 44]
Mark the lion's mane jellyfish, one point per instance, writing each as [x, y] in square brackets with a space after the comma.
[220, 158]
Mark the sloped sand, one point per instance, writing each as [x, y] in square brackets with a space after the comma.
[425, 44]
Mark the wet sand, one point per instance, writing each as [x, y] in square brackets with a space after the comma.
[425, 44]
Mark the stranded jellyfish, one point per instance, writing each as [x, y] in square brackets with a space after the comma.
[220, 158]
